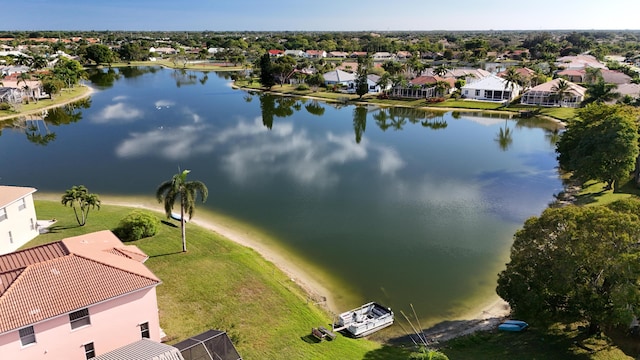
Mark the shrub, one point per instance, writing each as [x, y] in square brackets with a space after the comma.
[5, 106]
[302, 87]
[137, 225]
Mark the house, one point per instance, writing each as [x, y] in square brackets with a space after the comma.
[573, 75]
[316, 54]
[163, 51]
[339, 77]
[546, 95]
[491, 88]
[143, 349]
[338, 54]
[276, 53]
[632, 90]
[76, 298]
[525, 74]
[402, 55]
[615, 77]
[10, 95]
[18, 221]
[432, 80]
[294, 53]
[382, 55]
[579, 62]
[30, 89]
[357, 54]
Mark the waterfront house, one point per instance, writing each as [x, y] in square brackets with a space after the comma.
[546, 95]
[18, 221]
[76, 298]
[316, 54]
[491, 88]
[10, 95]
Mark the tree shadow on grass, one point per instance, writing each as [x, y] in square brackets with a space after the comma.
[167, 254]
[165, 222]
[58, 228]
[387, 352]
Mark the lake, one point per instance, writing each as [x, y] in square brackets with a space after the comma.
[397, 205]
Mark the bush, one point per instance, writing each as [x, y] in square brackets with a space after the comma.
[302, 87]
[137, 225]
[5, 106]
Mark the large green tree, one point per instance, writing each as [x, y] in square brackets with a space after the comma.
[81, 200]
[600, 144]
[576, 264]
[100, 54]
[266, 72]
[178, 187]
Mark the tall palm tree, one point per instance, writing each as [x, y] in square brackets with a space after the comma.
[440, 70]
[178, 186]
[512, 79]
[561, 90]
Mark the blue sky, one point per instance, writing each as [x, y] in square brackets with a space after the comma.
[324, 15]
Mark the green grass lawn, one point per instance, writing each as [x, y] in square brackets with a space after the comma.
[65, 95]
[218, 284]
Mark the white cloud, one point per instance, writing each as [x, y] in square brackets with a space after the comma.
[119, 112]
[164, 103]
[193, 115]
[120, 98]
[169, 143]
[390, 161]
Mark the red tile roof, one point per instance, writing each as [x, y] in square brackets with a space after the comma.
[58, 278]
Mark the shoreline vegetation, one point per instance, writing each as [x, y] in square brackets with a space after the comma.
[67, 96]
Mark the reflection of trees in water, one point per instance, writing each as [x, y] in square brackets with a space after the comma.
[398, 117]
[184, 77]
[36, 126]
[504, 137]
[103, 79]
[278, 106]
[314, 108]
[130, 72]
[359, 122]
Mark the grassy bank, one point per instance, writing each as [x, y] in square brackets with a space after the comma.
[65, 96]
[221, 285]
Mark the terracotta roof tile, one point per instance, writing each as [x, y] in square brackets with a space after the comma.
[59, 278]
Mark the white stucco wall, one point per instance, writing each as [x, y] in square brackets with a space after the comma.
[19, 227]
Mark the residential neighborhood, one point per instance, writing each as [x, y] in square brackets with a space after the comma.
[91, 292]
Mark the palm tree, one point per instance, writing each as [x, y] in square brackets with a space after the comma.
[561, 90]
[601, 92]
[512, 78]
[79, 198]
[592, 75]
[178, 186]
[440, 70]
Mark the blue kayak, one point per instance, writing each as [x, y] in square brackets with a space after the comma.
[513, 326]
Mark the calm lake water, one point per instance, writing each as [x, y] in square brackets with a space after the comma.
[397, 205]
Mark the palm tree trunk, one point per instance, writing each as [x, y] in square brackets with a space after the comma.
[182, 228]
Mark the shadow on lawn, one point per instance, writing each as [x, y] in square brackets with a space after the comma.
[165, 222]
[57, 228]
[167, 254]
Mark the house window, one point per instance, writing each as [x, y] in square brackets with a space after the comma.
[477, 92]
[79, 318]
[27, 336]
[33, 224]
[23, 204]
[10, 238]
[3, 214]
[89, 351]
[144, 330]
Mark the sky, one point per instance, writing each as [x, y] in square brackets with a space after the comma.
[323, 15]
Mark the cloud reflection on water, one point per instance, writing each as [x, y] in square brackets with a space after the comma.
[119, 113]
[253, 151]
